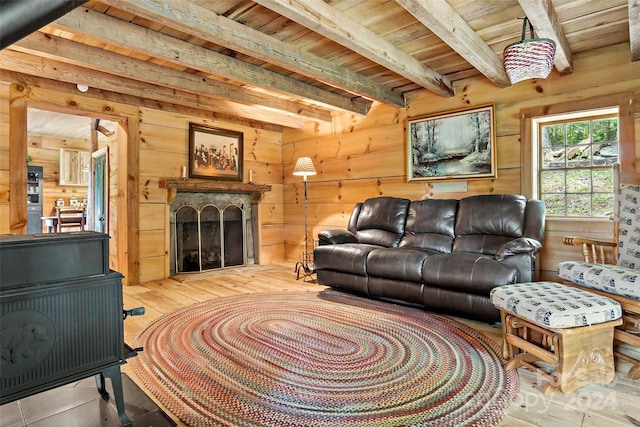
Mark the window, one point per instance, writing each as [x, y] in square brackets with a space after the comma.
[574, 158]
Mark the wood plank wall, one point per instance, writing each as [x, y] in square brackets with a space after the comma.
[361, 157]
[162, 141]
[356, 157]
[164, 149]
[5, 94]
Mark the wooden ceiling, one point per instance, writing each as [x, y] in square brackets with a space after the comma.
[287, 61]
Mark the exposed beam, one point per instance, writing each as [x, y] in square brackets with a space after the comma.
[445, 23]
[45, 67]
[324, 19]
[634, 29]
[119, 98]
[198, 21]
[122, 34]
[109, 62]
[542, 16]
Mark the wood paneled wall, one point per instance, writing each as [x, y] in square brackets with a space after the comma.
[356, 158]
[361, 157]
[161, 141]
[5, 95]
[164, 149]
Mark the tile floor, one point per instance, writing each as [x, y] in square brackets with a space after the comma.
[80, 405]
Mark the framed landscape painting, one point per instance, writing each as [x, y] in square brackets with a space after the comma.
[458, 144]
[215, 153]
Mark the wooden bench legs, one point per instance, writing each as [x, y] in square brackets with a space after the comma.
[628, 332]
[579, 356]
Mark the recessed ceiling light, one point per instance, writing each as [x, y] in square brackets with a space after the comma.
[82, 88]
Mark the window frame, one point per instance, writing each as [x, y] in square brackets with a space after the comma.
[567, 119]
[626, 135]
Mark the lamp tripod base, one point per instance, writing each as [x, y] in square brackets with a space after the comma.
[305, 268]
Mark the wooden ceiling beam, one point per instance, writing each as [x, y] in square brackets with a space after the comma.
[449, 26]
[324, 19]
[634, 29]
[109, 62]
[200, 22]
[542, 16]
[118, 33]
[119, 98]
[25, 63]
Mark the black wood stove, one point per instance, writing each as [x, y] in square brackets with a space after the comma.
[61, 315]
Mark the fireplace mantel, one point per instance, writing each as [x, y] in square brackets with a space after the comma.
[206, 186]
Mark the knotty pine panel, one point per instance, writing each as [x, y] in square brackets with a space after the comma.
[554, 251]
[5, 93]
[153, 216]
[271, 243]
[150, 191]
[4, 212]
[152, 268]
[152, 243]
[158, 164]
[381, 139]
[4, 189]
[271, 254]
[271, 213]
[164, 139]
[324, 215]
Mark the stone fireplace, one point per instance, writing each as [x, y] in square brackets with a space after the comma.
[213, 224]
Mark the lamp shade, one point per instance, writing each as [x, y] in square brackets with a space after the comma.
[304, 167]
[529, 58]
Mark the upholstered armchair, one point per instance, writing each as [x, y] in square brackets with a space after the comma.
[620, 281]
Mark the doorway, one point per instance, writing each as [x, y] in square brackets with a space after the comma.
[100, 192]
[123, 190]
[61, 141]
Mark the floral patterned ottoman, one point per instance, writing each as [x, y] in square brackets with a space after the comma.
[568, 328]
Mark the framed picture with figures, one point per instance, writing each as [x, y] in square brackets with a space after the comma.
[215, 153]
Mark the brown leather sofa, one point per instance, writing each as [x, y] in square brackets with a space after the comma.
[444, 255]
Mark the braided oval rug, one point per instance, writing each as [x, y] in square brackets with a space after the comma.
[321, 359]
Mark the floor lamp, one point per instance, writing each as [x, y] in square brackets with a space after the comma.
[304, 168]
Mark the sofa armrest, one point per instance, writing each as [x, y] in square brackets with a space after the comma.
[522, 245]
[333, 237]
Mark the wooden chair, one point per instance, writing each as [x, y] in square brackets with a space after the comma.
[621, 281]
[70, 219]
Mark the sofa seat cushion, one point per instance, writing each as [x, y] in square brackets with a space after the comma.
[609, 278]
[397, 263]
[555, 305]
[347, 258]
[467, 272]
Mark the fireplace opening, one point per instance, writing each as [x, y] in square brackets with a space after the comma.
[210, 238]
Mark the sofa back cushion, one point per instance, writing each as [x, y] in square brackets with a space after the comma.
[430, 225]
[486, 222]
[382, 221]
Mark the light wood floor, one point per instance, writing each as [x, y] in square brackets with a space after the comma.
[617, 404]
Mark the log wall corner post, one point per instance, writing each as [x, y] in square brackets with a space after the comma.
[18, 159]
